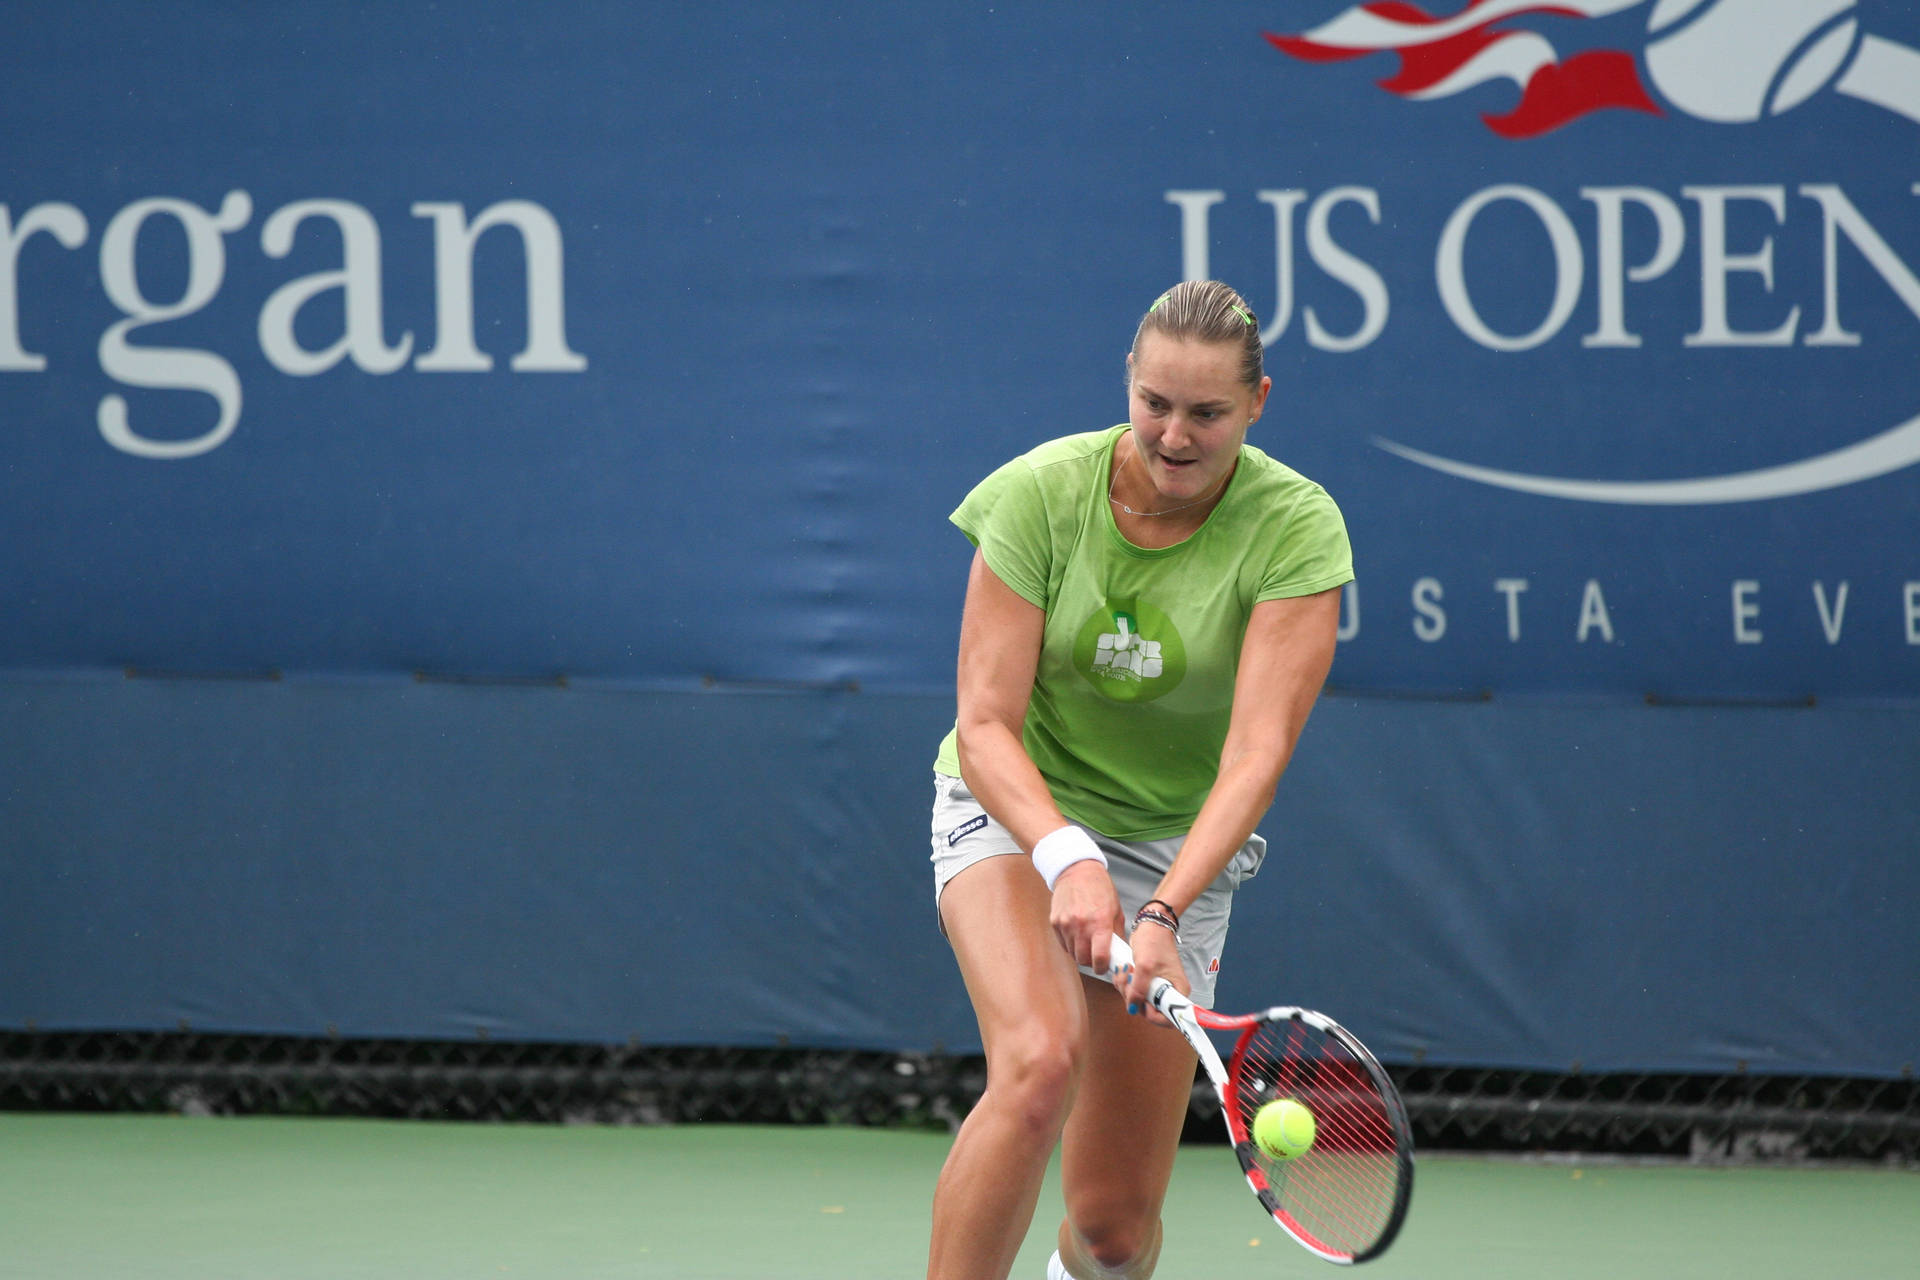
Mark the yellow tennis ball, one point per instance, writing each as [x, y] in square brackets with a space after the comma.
[1283, 1129]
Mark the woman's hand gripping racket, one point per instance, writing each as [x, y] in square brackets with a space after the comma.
[1339, 1182]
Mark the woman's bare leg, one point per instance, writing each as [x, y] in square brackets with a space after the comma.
[1033, 1021]
[1118, 1149]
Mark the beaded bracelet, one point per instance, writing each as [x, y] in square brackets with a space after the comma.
[1151, 914]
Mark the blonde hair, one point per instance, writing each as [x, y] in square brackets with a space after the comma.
[1206, 311]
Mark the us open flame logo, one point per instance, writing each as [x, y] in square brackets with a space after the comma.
[1720, 61]
[1726, 61]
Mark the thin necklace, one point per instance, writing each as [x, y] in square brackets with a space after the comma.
[1115, 483]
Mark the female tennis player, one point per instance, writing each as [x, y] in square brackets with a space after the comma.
[1149, 618]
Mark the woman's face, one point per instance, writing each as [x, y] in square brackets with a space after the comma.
[1190, 412]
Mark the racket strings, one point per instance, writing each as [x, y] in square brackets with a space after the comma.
[1343, 1191]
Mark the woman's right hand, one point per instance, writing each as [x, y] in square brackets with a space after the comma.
[1086, 914]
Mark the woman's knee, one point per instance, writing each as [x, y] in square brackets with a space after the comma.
[1035, 1074]
[1117, 1237]
[1116, 1219]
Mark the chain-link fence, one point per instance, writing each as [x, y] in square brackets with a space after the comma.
[1744, 1116]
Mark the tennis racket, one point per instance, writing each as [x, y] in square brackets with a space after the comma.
[1344, 1198]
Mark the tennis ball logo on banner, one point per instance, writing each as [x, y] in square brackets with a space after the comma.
[1130, 652]
[1722, 62]
[1726, 61]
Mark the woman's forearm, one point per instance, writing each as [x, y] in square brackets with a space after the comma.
[996, 768]
[1240, 798]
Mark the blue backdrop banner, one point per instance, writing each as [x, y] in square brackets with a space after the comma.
[646, 348]
[654, 343]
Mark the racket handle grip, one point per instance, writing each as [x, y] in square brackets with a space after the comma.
[1120, 956]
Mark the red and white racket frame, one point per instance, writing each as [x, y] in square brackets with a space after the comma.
[1193, 1021]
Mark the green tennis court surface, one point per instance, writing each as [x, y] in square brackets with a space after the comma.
[159, 1197]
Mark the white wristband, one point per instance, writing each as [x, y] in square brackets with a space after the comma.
[1058, 850]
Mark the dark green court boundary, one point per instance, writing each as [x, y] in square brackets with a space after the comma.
[117, 1197]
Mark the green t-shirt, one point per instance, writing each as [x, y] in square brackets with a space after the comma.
[1135, 683]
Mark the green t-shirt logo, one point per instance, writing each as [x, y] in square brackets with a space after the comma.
[1130, 651]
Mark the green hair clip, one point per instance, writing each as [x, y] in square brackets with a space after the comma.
[1244, 315]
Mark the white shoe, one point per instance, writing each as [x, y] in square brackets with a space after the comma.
[1056, 1269]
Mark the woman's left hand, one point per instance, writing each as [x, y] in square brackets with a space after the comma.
[1156, 954]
